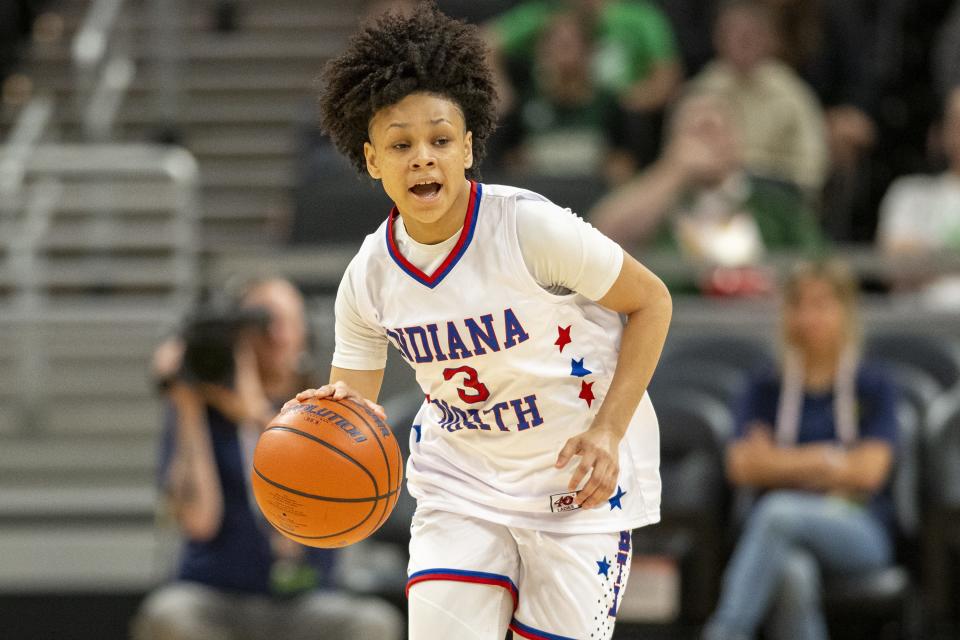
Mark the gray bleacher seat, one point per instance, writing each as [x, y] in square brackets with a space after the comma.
[721, 380]
[937, 355]
[917, 387]
[941, 545]
[746, 353]
[693, 429]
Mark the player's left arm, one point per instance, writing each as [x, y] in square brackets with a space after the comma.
[645, 300]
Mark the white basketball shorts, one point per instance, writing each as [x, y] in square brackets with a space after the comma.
[564, 586]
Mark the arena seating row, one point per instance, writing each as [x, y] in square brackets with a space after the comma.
[78, 504]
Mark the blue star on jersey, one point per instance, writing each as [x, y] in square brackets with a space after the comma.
[603, 566]
[577, 368]
[615, 500]
[416, 428]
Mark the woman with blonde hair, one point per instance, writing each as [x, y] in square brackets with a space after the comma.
[816, 440]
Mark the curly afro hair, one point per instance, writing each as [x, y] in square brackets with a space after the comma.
[399, 54]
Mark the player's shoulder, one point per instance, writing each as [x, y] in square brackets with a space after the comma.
[377, 239]
[521, 201]
[373, 247]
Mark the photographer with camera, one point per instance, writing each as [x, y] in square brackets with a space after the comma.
[223, 379]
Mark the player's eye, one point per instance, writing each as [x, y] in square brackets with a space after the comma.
[400, 146]
[442, 141]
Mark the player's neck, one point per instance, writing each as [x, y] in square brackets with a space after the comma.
[444, 227]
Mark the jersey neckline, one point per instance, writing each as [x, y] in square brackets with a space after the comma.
[466, 235]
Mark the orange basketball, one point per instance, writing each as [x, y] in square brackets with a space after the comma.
[327, 473]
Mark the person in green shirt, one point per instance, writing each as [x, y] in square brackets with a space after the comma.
[635, 58]
[564, 124]
[698, 199]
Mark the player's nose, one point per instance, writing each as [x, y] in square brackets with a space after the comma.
[423, 157]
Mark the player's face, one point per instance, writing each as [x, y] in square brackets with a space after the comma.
[420, 150]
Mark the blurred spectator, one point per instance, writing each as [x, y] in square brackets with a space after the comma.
[237, 576]
[829, 44]
[564, 125]
[782, 122]
[920, 214]
[817, 440]
[634, 55]
[699, 198]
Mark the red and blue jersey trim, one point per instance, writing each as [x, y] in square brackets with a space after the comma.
[460, 575]
[525, 631]
[466, 236]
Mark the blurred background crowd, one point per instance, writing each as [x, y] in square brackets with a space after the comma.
[156, 152]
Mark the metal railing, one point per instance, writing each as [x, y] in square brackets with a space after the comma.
[29, 128]
[48, 171]
[91, 164]
[103, 69]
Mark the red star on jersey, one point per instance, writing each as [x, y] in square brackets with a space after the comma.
[563, 337]
[586, 393]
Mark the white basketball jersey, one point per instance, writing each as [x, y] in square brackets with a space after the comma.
[509, 371]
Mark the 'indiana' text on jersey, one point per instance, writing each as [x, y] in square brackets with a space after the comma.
[432, 342]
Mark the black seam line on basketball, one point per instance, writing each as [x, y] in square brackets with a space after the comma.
[312, 496]
[329, 535]
[376, 436]
[386, 462]
[322, 442]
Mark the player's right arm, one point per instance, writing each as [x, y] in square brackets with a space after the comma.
[360, 354]
[366, 383]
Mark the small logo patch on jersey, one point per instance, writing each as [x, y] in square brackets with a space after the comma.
[563, 502]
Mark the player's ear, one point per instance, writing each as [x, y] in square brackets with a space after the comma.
[468, 150]
[371, 155]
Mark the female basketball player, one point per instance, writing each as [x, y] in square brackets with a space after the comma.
[507, 308]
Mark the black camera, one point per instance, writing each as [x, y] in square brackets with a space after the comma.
[210, 332]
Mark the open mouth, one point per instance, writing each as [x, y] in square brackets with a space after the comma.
[427, 190]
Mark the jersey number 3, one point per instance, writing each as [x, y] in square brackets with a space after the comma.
[478, 391]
